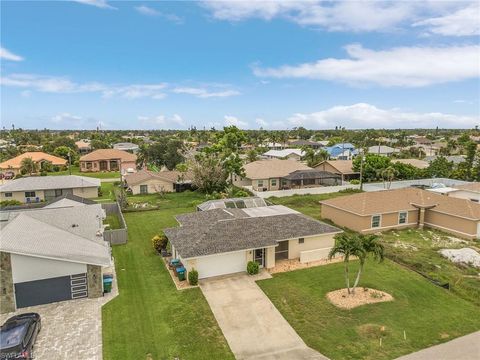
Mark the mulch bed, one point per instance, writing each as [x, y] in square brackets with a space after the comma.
[341, 298]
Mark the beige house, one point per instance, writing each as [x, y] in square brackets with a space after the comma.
[45, 188]
[371, 212]
[469, 191]
[344, 168]
[266, 175]
[222, 241]
[149, 182]
[38, 157]
[108, 160]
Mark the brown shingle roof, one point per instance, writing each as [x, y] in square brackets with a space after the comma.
[35, 156]
[144, 175]
[381, 202]
[275, 168]
[420, 164]
[343, 166]
[107, 154]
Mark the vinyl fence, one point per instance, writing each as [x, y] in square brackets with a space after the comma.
[115, 236]
[302, 191]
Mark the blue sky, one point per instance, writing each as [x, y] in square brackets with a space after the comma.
[276, 65]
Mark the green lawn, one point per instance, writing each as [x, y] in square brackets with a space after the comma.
[418, 249]
[308, 204]
[150, 319]
[428, 314]
[114, 221]
[99, 175]
[108, 191]
[188, 199]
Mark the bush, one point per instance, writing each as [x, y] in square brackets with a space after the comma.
[252, 268]
[159, 242]
[56, 168]
[9, 203]
[355, 182]
[18, 176]
[117, 183]
[193, 277]
[43, 173]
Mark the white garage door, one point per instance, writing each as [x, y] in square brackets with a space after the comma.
[221, 264]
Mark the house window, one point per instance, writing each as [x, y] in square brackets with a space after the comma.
[260, 183]
[89, 165]
[9, 194]
[29, 194]
[274, 182]
[301, 240]
[143, 189]
[402, 217]
[376, 221]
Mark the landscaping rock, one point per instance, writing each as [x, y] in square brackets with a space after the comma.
[464, 256]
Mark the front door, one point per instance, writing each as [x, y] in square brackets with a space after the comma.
[259, 257]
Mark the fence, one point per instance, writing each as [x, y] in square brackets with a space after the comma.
[115, 236]
[302, 191]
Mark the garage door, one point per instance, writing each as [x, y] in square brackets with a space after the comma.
[221, 264]
[46, 291]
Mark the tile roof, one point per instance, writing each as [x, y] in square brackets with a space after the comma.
[32, 183]
[67, 234]
[386, 201]
[420, 164]
[274, 168]
[107, 154]
[225, 230]
[144, 175]
[35, 156]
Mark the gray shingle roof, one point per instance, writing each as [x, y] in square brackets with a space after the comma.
[33, 183]
[311, 174]
[219, 230]
[66, 234]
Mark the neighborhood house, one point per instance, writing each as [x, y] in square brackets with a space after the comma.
[147, 182]
[14, 165]
[108, 160]
[343, 168]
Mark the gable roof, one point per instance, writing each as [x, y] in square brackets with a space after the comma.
[82, 144]
[388, 201]
[32, 183]
[233, 203]
[66, 234]
[284, 153]
[342, 166]
[36, 156]
[274, 168]
[220, 230]
[420, 164]
[107, 154]
[68, 200]
[311, 174]
[382, 149]
[145, 175]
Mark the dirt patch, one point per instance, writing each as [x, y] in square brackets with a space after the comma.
[295, 264]
[372, 331]
[341, 298]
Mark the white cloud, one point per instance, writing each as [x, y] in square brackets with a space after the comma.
[262, 123]
[362, 115]
[162, 122]
[7, 55]
[233, 121]
[65, 118]
[148, 11]
[403, 66]
[136, 91]
[205, 93]
[103, 4]
[463, 22]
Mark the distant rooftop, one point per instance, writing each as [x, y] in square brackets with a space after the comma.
[49, 183]
[233, 203]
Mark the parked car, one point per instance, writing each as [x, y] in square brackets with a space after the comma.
[18, 335]
[9, 175]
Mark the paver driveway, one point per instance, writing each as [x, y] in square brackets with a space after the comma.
[70, 329]
[252, 325]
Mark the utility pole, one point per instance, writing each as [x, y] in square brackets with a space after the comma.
[69, 163]
[361, 170]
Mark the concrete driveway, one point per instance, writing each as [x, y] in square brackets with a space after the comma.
[252, 325]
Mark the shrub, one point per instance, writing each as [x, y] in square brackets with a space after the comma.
[252, 268]
[9, 203]
[18, 176]
[117, 183]
[355, 182]
[159, 242]
[193, 277]
[56, 168]
[43, 173]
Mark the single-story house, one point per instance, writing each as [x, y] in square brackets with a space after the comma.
[344, 168]
[382, 150]
[266, 175]
[342, 151]
[289, 154]
[419, 164]
[83, 146]
[45, 188]
[276, 146]
[456, 159]
[222, 241]
[108, 160]
[127, 146]
[310, 178]
[148, 182]
[371, 212]
[52, 254]
[469, 191]
[38, 157]
[233, 203]
[301, 143]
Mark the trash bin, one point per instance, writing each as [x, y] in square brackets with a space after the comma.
[173, 263]
[181, 273]
[107, 285]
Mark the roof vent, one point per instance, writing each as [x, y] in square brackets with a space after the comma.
[74, 225]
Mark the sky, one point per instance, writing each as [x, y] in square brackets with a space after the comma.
[253, 64]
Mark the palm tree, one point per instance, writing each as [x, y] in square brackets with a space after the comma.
[371, 246]
[346, 246]
[28, 166]
[388, 175]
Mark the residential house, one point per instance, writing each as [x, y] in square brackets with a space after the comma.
[233, 203]
[52, 254]
[456, 159]
[344, 168]
[276, 146]
[83, 146]
[372, 212]
[149, 182]
[382, 150]
[308, 143]
[289, 154]
[108, 160]
[14, 165]
[46, 188]
[127, 146]
[470, 191]
[342, 151]
[219, 241]
[419, 164]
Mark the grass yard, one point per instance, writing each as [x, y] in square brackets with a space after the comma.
[108, 191]
[184, 199]
[114, 221]
[308, 204]
[419, 250]
[428, 314]
[150, 319]
[99, 175]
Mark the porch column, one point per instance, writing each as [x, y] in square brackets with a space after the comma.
[421, 219]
